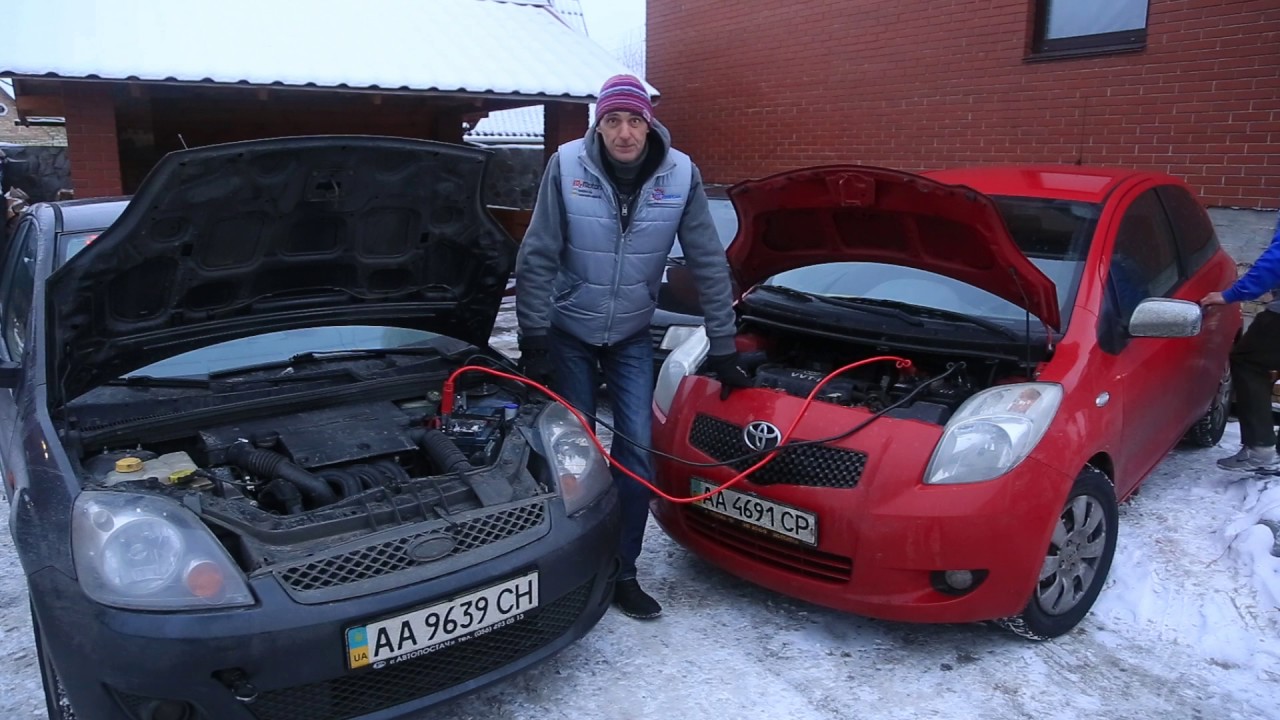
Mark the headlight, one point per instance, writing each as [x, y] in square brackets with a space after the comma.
[676, 335]
[681, 363]
[578, 466]
[149, 553]
[992, 432]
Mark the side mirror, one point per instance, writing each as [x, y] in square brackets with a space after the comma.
[1165, 318]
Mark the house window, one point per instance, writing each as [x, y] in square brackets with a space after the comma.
[1085, 27]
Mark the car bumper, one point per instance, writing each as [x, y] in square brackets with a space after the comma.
[115, 662]
[881, 542]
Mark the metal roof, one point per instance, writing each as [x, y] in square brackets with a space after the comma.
[474, 47]
[517, 125]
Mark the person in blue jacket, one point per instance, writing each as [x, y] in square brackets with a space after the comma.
[587, 278]
[1253, 359]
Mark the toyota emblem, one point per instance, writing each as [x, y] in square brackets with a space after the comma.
[761, 436]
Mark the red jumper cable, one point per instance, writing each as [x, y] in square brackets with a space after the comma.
[446, 408]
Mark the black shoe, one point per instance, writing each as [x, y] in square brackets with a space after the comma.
[633, 601]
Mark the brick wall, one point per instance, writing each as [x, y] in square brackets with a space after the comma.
[92, 147]
[758, 86]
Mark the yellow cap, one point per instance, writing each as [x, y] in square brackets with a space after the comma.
[180, 476]
[128, 465]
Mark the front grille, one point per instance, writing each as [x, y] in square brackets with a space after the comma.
[808, 465]
[351, 566]
[369, 691]
[761, 548]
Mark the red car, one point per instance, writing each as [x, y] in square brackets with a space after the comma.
[1056, 355]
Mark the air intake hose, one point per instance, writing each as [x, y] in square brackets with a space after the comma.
[274, 465]
[443, 452]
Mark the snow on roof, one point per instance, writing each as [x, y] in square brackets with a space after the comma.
[517, 125]
[485, 47]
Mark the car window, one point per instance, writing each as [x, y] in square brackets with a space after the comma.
[725, 219]
[1192, 228]
[1144, 262]
[16, 310]
[71, 243]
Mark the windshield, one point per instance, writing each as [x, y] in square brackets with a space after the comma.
[1054, 234]
[279, 346]
[725, 219]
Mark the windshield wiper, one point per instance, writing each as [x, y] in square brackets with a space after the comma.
[842, 302]
[925, 311]
[789, 292]
[324, 356]
[161, 382]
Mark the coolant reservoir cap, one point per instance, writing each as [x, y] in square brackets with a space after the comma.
[128, 465]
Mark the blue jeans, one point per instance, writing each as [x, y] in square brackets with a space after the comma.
[628, 371]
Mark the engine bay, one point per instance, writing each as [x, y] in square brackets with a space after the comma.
[931, 389]
[272, 485]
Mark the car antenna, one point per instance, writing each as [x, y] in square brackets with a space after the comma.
[185, 147]
[1084, 114]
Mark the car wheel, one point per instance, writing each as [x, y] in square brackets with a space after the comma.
[1208, 430]
[1077, 563]
[55, 695]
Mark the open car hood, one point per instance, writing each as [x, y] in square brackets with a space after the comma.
[227, 241]
[853, 213]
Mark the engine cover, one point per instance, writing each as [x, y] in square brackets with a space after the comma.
[801, 382]
[316, 438]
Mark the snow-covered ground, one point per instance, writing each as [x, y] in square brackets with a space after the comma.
[1188, 627]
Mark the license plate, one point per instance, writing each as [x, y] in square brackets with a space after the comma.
[772, 516]
[444, 624]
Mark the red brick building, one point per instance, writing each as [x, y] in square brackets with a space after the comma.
[1190, 87]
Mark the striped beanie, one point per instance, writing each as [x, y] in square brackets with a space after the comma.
[624, 92]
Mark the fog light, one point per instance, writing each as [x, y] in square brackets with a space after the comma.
[957, 582]
[169, 710]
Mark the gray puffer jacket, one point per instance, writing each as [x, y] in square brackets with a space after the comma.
[577, 269]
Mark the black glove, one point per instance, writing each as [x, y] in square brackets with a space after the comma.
[535, 359]
[728, 368]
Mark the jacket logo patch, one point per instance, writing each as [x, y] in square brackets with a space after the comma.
[661, 195]
[586, 188]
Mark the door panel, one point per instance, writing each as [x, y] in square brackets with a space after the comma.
[1144, 263]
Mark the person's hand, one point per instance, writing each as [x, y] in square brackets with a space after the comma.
[728, 369]
[535, 359]
[1213, 298]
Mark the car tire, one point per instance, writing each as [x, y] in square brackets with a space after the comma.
[55, 695]
[1086, 533]
[1208, 430]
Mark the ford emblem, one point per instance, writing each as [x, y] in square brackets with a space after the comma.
[430, 548]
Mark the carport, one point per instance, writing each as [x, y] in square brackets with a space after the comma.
[135, 81]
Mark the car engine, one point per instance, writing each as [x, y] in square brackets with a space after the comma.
[936, 383]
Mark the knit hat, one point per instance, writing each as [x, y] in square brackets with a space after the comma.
[624, 92]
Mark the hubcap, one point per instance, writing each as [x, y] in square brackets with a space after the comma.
[1069, 569]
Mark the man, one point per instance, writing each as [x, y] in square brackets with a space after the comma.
[1253, 359]
[587, 277]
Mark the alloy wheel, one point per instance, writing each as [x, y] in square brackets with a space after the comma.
[1075, 554]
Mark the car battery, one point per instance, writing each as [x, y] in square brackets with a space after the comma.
[801, 382]
[477, 431]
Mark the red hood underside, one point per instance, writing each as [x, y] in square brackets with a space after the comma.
[853, 213]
